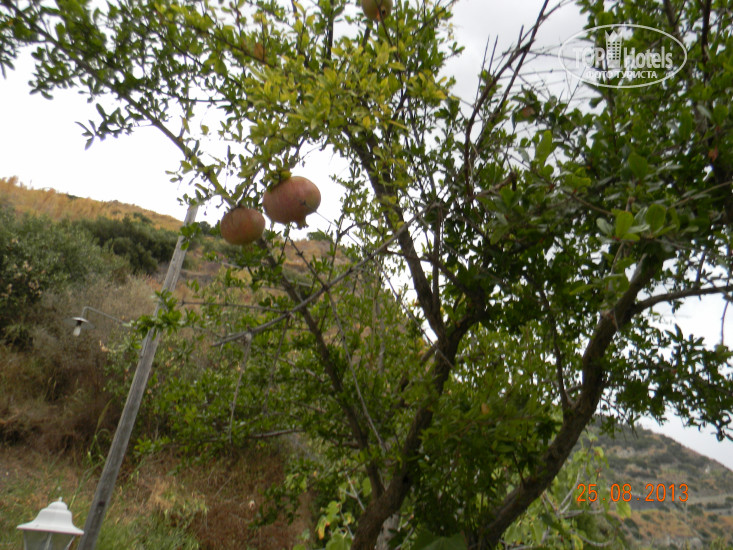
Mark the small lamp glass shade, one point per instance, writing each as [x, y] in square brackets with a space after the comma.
[79, 324]
[51, 530]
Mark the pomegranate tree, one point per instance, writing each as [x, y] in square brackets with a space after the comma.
[242, 225]
[291, 200]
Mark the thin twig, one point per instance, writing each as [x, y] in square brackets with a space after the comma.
[317, 294]
[247, 348]
[350, 359]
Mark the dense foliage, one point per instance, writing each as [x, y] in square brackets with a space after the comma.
[135, 239]
[536, 247]
[38, 256]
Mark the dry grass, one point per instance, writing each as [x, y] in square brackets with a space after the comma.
[657, 526]
[53, 395]
[233, 492]
[215, 503]
[60, 206]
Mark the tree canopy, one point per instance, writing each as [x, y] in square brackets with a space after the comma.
[537, 233]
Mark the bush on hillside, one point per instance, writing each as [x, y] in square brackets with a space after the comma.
[36, 256]
[52, 393]
[135, 239]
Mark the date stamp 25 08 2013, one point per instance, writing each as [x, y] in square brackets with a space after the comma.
[658, 492]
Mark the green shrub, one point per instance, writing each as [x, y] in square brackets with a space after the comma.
[133, 238]
[37, 256]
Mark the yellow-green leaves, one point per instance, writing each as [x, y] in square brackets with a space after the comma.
[623, 509]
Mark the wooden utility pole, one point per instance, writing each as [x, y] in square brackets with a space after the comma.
[121, 439]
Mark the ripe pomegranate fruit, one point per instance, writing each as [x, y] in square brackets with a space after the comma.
[376, 10]
[291, 200]
[242, 225]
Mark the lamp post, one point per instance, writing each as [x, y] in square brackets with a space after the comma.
[51, 530]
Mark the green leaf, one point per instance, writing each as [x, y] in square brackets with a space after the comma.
[605, 227]
[623, 509]
[427, 541]
[687, 123]
[337, 542]
[544, 147]
[538, 532]
[720, 113]
[578, 182]
[506, 195]
[624, 221]
[366, 487]
[639, 165]
[655, 216]
[704, 111]
[332, 511]
[580, 287]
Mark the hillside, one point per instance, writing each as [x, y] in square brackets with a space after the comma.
[640, 457]
[58, 411]
[59, 206]
[45, 451]
[645, 460]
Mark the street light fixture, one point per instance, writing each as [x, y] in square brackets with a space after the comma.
[82, 323]
[51, 530]
[79, 324]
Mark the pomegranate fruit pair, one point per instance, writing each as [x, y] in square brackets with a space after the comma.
[289, 201]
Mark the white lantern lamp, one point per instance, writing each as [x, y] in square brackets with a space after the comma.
[51, 530]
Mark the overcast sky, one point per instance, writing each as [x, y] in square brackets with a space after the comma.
[41, 143]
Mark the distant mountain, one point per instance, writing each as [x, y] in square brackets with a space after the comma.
[645, 461]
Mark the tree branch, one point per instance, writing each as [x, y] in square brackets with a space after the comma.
[380, 181]
[332, 372]
[385, 505]
[671, 296]
[582, 410]
[559, 362]
[317, 294]
[704, 35]
[350, 358]
[520, 52]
